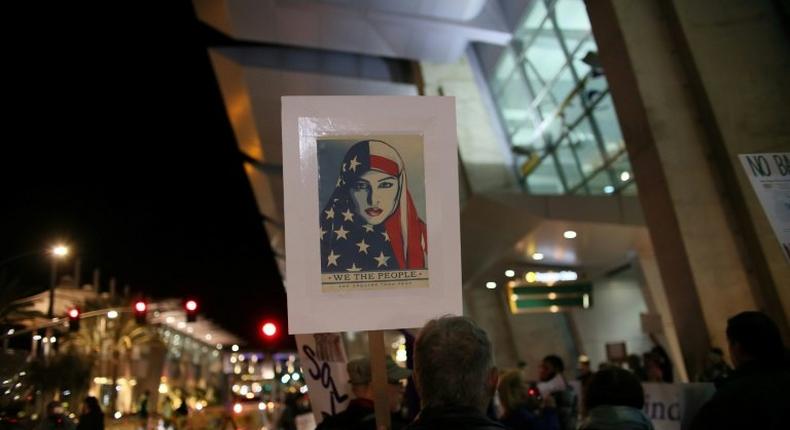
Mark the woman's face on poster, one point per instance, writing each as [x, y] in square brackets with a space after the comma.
[375, 196]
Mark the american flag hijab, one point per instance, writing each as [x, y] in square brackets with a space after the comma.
[349, 243]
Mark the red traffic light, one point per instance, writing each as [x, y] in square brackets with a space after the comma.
[269, 329]
[74, 319]
[191, 305]
[140, 306]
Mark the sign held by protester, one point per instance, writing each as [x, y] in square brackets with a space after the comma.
[323, 359]
[770, 177]
[371, 212]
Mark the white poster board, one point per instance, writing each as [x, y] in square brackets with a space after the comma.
[370, 182]
[323, 359]
[673, 406]
[770, 177]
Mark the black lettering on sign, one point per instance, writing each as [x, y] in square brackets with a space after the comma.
[674, 412]
[783, 163]
[759, 165]
[323, 373]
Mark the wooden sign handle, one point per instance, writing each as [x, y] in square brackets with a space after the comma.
[378, 366]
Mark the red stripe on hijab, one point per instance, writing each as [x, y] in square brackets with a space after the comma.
[385, 165]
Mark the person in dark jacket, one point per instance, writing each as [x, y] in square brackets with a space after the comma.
[455, 376]
[757, 394]
[360, 413]
[552, 383]
[91, 417]
[614, 401]
[523, 407]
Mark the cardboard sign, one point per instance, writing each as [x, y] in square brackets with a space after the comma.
[770, 178]
[371, 212]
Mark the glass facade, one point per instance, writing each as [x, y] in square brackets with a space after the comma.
[555, 107]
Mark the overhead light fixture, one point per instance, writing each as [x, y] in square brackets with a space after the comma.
[510, 273]
[625, 176]
[531, 277]
[537, 256]
[569, 234]
[490, 285]
[608, 189]
[554, 309]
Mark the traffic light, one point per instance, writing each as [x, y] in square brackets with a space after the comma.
[270, 332]
[74, 319]
[269, 329]
[140, 311]
[191, 307]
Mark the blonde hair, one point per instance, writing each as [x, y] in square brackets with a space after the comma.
[512, 390]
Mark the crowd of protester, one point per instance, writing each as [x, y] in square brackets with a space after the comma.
[451, 382]
[458, 387]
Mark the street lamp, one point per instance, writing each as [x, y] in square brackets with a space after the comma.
[59, 252]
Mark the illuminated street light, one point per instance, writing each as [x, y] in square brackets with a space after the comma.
[60, 250]
[510, 273]
[490, 285]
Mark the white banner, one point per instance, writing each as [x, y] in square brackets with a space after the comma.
[770, 178]
[673, 406]
[324, 359]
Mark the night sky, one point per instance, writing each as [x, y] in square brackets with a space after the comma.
[116, 140]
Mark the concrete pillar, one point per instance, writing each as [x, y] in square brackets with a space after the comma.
[696, 241]
[737, 54]
[658, 303]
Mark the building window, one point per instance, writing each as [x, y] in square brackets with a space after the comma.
[555, 106]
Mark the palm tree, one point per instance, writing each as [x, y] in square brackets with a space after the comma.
[12, 312]
[108, 342]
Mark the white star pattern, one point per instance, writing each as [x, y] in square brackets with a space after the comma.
[323, 232]
[348, 216]
[368, 227]
[381, 259]
[386, 236]
[330, 213]
[344, 167]
[332, 258]
[341, 233]
[363, 247]
[353, 164]
[339, 182]
[353, 268]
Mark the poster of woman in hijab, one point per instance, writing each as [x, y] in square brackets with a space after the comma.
[372, 201]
